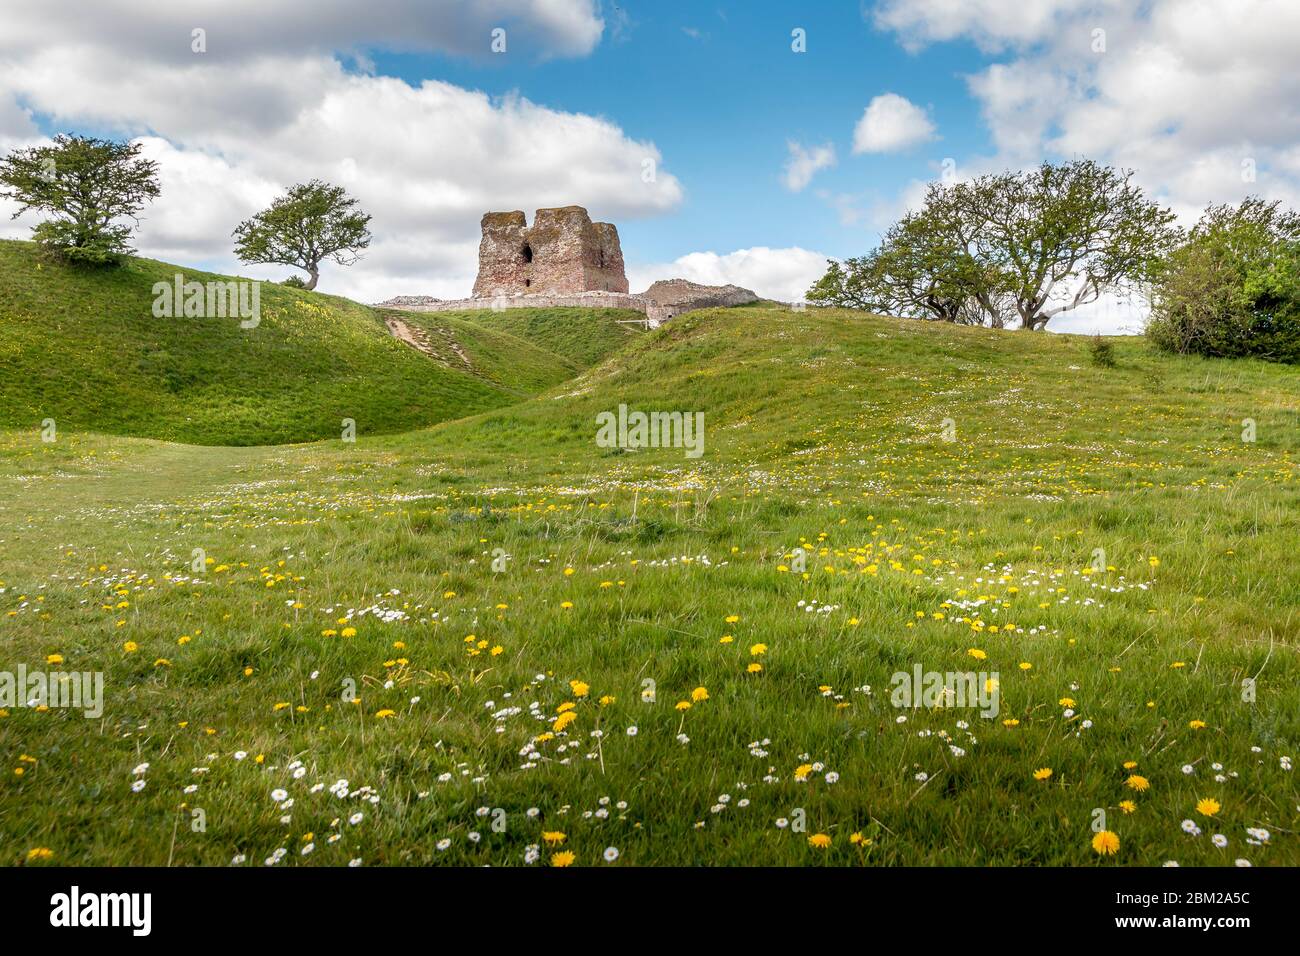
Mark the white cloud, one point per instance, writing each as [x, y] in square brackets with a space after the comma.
[241, 30]
[780, 274]
[993, 24]
[803, 164]
[1191, 94]
[1109, 315]
[890, 123]
[1200, 98]
[231, 131]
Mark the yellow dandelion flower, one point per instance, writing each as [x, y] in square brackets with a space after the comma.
[564, 858]
[1137, 782]
[553, 837]
[1207, 806]
[699, 694]
[819, 841]
[1106, 843]
[1042, 773]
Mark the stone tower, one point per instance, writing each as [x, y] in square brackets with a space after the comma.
[563, 252]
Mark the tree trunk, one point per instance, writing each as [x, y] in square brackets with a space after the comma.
[315, 275]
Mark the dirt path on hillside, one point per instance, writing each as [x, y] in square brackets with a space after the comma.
[419, 340]
[415, 338]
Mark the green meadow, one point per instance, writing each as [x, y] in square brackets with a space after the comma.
[475, 636]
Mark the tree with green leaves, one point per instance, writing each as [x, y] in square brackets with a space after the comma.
[1016, 246]
[310, 223]
[1233, 289]
[922, 269]
[1063, 236]
[89, 185]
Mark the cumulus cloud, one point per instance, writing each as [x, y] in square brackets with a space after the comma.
[804, 163]
[240, 30]
[891, 123]
[233, 128]
[780, 274]
[993, 24]
[1200, 98]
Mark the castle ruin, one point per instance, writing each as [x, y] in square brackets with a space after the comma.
[565, 260]
[562, 253]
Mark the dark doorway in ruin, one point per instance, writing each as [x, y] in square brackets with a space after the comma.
[528, 253]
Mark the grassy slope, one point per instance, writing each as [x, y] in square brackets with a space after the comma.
[524, 351]
[822, 429]
[82, 347]
[581, 336]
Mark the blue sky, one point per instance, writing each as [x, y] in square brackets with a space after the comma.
[719, 90]
[404, 104]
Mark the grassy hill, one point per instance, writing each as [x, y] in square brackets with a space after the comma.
[875, 495]
[524, 351]
[83, 347]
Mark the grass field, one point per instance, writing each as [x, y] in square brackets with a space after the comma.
[380, 651]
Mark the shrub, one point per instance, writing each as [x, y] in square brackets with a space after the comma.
[1233, 289]
[1102, 351]
[294, 282]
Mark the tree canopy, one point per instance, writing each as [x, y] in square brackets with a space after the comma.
[88, 185]
[1233, 289]
[1010, 247]
[312, 222]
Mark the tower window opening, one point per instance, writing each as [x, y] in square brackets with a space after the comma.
[528, 253]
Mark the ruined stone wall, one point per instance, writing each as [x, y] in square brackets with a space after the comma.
[562, 253]
[669, 297]
[586, 300]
